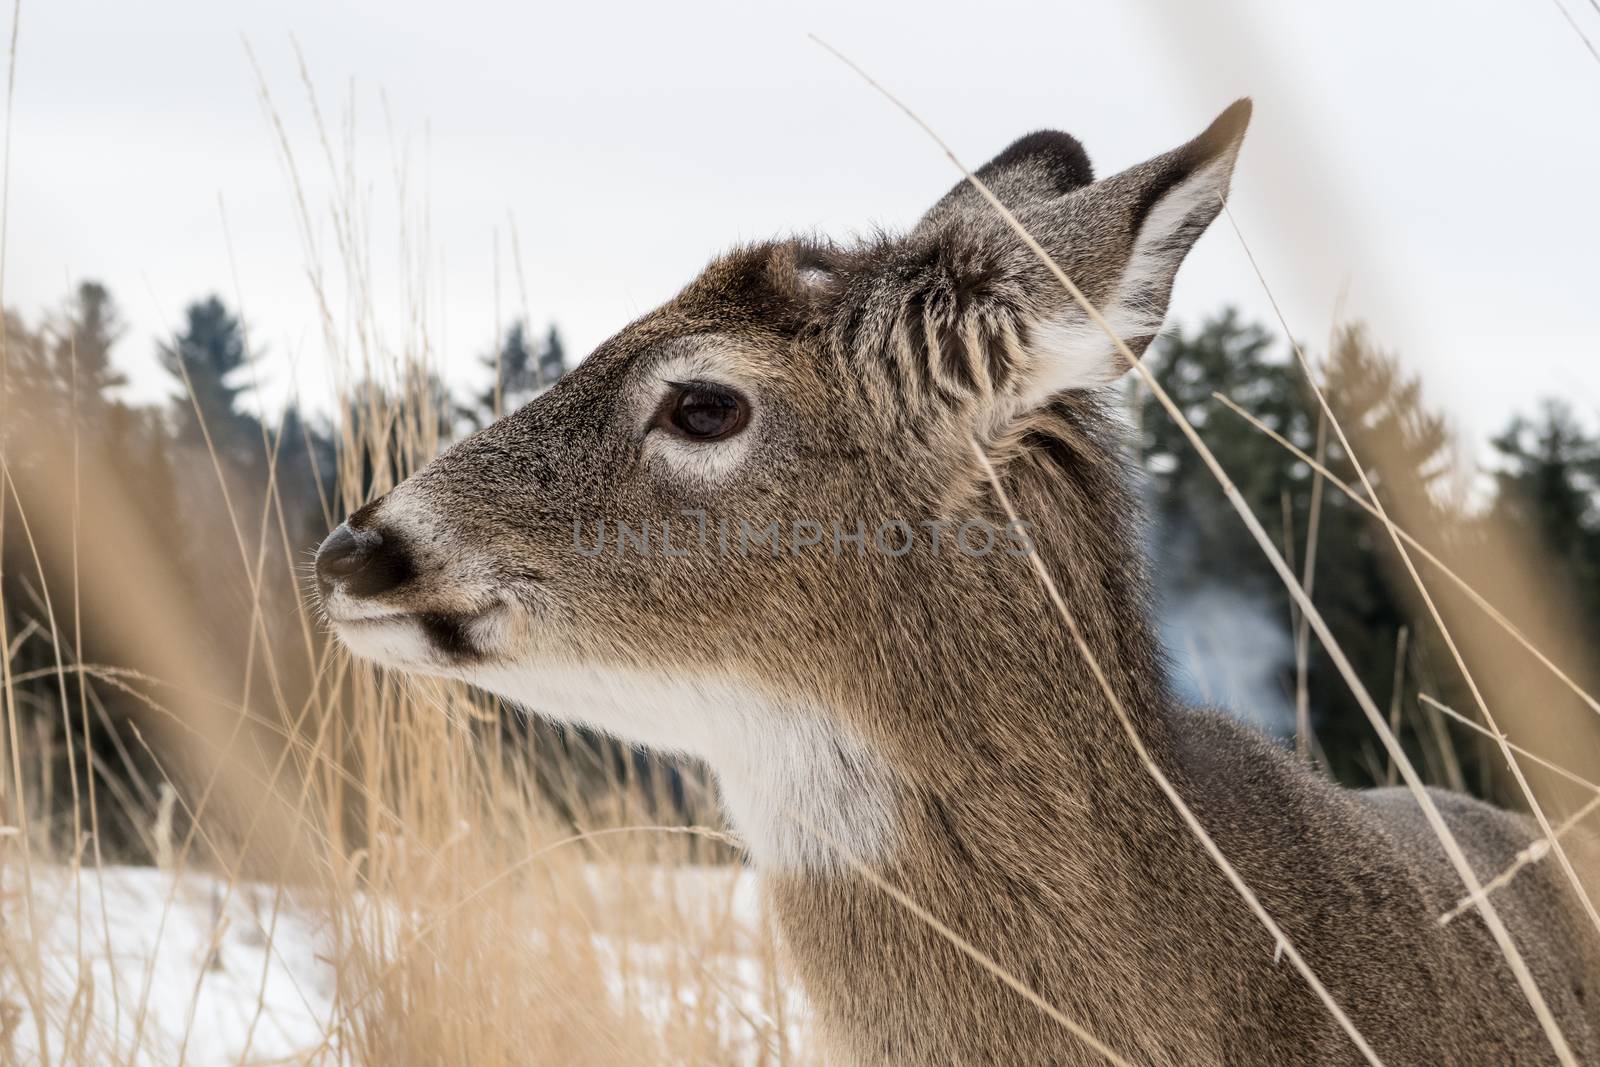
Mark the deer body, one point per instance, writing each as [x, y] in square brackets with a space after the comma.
[921, 711]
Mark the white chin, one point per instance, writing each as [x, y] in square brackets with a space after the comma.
[399, 643]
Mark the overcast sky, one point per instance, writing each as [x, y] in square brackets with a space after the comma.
[1437, 163]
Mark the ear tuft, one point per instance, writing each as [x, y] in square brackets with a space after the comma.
[1031, 175]
[1061, 163]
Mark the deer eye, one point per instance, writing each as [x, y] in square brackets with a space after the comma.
[701, 411]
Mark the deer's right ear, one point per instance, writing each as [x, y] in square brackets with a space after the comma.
[1121, 242]
[1000, 320]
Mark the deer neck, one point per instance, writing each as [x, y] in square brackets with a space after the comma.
[1024, 823]
[990, 781]
[1022, 726]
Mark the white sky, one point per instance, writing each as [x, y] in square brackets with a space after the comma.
[1439, 162]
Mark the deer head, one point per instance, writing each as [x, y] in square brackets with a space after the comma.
[753, 527]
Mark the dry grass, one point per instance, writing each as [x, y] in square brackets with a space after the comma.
[460, 915]
[472, 894]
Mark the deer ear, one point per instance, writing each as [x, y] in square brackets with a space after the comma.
[1131, 232]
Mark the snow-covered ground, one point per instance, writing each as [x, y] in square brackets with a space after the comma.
[175, 968]
[179, 968]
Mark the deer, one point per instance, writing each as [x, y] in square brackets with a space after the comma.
[756, 527]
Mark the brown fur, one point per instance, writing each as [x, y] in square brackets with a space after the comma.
[1021, 817]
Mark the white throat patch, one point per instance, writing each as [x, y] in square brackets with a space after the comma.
[796, 785]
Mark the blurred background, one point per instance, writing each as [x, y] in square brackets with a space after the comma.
[1431, 168]
[262, 259]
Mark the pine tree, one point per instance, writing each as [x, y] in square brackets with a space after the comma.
[1229, 356]
[552, 359]
[60, 369]
[1359, 586]
[513, 373]
[206, 358]
[517, 373]
[1366, 594]
[1549, 483]
[29, 398]
[88, 330]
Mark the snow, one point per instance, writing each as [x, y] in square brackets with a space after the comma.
[180, 968]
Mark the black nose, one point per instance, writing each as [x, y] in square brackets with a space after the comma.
[342, 554]
[361, 563]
